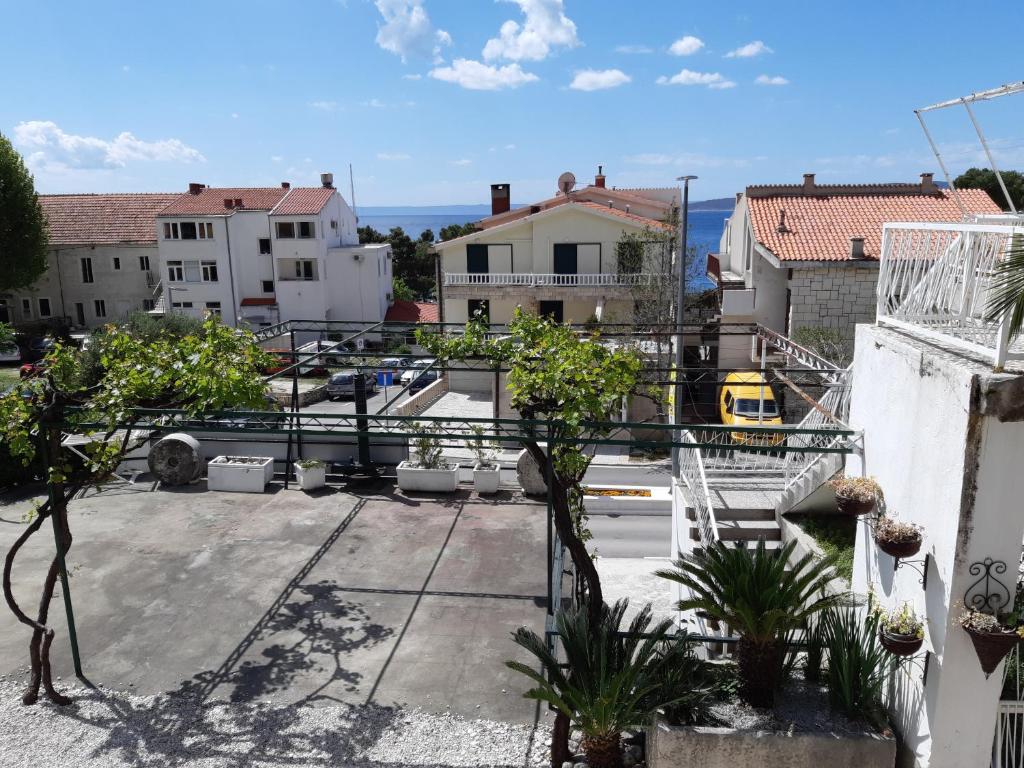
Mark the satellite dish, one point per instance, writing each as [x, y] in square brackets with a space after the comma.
[566, 182]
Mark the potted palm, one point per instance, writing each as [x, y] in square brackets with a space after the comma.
[993, 636]
[486, 471]
[900, 632]
[762, 597]
[310, 474]
[429, 472]
[855, 495]
[897, 539]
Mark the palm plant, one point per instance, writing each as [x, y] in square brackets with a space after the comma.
[761, 597]
[611, 680]
[1007, 289]
[857, 664]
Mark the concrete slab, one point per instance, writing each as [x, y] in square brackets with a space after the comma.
[293, 598]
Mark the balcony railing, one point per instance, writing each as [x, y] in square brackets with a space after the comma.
[934, 280]
[533, 280]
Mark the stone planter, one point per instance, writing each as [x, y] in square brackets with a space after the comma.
[486, 479]
[311, 478]
[414, 478]
[900, 645]
[670, 746]
[239, 474]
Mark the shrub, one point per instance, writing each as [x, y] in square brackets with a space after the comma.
[856, 488]
[310, 463]
[857, 664]
[427, 449]
[901, 621]
[484, 451]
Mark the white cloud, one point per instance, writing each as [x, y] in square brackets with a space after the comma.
[276, 159]
[412, 77]
[126, 68]
[324, 106]
[771, 80]
[408, 32]
[376, 104]
[462, 161]
[688, 160]
[599, 79]
[49, 147]
[477, 76]
[755, 48]
[686, 46]
[689, 77]
[234, 115]
[633, 49]
[546, 27]
[510, 147]
[393, 156]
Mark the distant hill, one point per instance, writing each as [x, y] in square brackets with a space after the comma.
[718, 204]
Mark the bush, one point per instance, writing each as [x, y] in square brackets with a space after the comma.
[836, 535]
[857, 664]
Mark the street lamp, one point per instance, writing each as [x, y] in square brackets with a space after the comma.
[677, 402]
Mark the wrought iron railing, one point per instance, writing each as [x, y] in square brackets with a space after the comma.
[533, 279]
[935, 280]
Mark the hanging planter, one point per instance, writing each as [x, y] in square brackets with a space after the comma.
[896, 539]
[900, 632]
[855, 496]
[992, 640]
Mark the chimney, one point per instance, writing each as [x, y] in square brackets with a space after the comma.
[809, 183]
[599, 178]
[228, 203]
[856, 247]
[286, 185]
[782, 228]
[194, 188]
[501, 201]
[928, 184]
[327, 180]
[238, 202]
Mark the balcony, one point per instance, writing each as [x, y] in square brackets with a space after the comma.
[535, 280]
[934, 281]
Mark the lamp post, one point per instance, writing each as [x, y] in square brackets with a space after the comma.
[677, 401]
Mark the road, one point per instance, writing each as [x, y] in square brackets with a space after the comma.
[629, 474]
[631, 535]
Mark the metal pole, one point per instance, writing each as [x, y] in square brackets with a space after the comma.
[764, 359]
[677, 410]
[988, 153]
[942, 165]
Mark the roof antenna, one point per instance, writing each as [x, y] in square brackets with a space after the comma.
[782, 228]
[352, 191]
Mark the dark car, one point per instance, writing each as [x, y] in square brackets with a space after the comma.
[343, 384]
[424, 380]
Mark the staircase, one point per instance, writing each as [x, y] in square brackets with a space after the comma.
[744, 510]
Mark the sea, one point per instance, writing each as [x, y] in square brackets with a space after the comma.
[703, 233]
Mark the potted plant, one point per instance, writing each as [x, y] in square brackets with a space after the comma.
[897, 539]
[310, 474]
[239, 474]
[429, 472]
[992, 637]
[486, 471]
[900, 632]
[855, 495]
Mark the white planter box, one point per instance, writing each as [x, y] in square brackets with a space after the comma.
[413, 478]
[239, 474]
[312, 478]
[486, 479]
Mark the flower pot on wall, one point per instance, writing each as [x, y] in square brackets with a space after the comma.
[900, 645]
[854, 507]
[899, 549]
[311, 478]
[486, 478]
[992, 647]
[415, 478]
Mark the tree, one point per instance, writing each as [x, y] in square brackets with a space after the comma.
[401, 291]
[369, 235]
[1007, 288]
[453, 231]
[413, 261]
[199, 372]
[23, 231]
[985, 178]
[825, 342]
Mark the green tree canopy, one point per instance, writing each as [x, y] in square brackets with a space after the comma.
[413, 261]
[984, 178]
[23, 233]
[453, 231]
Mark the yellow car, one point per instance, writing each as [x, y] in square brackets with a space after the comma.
[739, 404]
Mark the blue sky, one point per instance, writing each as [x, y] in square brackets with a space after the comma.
[433, 100]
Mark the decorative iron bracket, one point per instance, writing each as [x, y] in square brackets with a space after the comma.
[922, 661]
[987, 594]
[920, 566]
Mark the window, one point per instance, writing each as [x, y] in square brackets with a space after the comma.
[209, 271]
[144, 263]
[334, 224]
[188, 230]
[170, 230]
[213, 307]
[264, 245]
[100, 307]
[192, 272]
[80, 313]
[476, 259]
[206, 230]
[148, 305]
[307, 229]
[565, 259]
[285, 230]
[181, 305]
[117, 262]
[87, 270]
[480, 308]
[552, 309]
[175, 272]
[44, 308]
[268, 286]
[304, 270]
[26, 309]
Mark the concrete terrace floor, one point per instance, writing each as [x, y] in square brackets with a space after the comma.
[294, 598]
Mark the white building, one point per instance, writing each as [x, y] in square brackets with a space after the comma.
[103, 261]
[557, 257]
[266, 255]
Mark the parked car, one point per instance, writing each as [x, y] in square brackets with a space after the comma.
[9, 353]
[425, 363]
[740, 404]
[394, 364]
[255, 422]
[418, 380]
[343, 384]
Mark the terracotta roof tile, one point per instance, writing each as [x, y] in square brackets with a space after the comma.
[303, 201]
[412, 312]
[819, 228]
[210, 201]
[103, 219]
[643, 221]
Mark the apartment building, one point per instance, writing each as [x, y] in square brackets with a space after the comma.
[103, 261]
[258, 256]
[557, 257]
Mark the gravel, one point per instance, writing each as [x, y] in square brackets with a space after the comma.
[106, 728]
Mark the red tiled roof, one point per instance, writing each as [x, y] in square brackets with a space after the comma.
[642, 221]
[412, 312]
[210, 201]
[635, 195]
[819, 228]
[303, 201]
[259, 301]
[103, 219]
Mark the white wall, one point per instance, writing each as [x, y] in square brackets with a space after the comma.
[358, 282]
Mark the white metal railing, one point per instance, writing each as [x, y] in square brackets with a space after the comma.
[934, 280]
[833, 410]
[533, 279]
[1008, 745]
[691, 472]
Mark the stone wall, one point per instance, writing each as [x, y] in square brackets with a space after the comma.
[832, 297]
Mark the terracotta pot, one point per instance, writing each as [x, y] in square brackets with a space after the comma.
[992, 647]
[854, 507]
[900, 645]
[899, 549]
